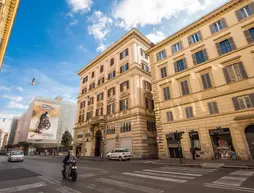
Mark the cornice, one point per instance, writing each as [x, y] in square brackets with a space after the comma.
[132, 34]
[197, 24]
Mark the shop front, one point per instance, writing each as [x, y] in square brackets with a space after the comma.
[173, 150]
[222, 143]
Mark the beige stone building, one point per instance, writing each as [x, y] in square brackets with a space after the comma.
[115, 101]
[203, 84]
[8, 9]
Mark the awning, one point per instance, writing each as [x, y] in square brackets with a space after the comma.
[242, 117]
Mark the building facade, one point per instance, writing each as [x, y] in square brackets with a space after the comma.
[12, 132]
[115, 106]
[203, 84]
[8, 10]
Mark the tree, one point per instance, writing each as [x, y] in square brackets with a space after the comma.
[66, 139]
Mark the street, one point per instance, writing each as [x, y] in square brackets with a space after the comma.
[42, 175]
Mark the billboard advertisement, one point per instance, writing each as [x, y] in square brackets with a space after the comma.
[44, 122]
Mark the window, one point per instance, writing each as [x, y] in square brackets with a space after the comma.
[79, 136]
[101, 68]
[149, 104]
[195, 38]
[100, 96]
[123, 54]
[145, 67]
[180, 65]
[111, 75]
[125, 127]
[85, 79]
[249, 34]
[124, 85]
[243, 102]
[100, 81]
[142, 53]
[213, 108]
[163, 72]
[124, 68]
[90, 101]
[92, 74]
[206, 81]
[189, 112]
[151, 126]
[166, 93]
[147, 86]
[84, 90]
[200, 57]
[111, 109]
[123, 104]
[92, 86]
[83, 104]
[110, 130]
[245, 11]
[170, 116]
[99, 111]
[89, 115]
[235, 72]
[161, 55]
[111, 91]
[218, 26]
[112, 61]
[176, 47]
[225, 46]
[185, 87]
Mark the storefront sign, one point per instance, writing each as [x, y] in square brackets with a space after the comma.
[219, 131]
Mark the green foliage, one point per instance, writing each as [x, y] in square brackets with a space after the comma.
[66, 139]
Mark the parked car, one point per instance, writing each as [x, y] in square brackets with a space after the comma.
[17, 155]
[119, 154]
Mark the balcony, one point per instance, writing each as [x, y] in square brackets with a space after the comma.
[97, 119]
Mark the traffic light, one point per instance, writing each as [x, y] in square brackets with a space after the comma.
[178, 135]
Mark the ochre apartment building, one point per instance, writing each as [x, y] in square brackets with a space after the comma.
[203, 84]
[8, 10]
[115, 106]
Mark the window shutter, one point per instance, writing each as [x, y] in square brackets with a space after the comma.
[173, 49]
[108, 109]
[200, 35]
[127, 52]
[127, 104]
[243, 72]
[216, 110]
[210, 108]
[219, 49]
[103, 80]
[187, 90]
[98, 97]
[248, 36]
[121, 69]
[224, 23]
[168, 116]
[236, 104]
[121, 87]
[208, 80]
[114, 73]
[141, 52]
[127, 84]
[187, 112]
[227, 77]
[127, 66]
[108, 76]
[194, 59]
[252, 99]
[232, 43]
[205, 54]
[113, 107]
[191, 112]
[183, 89]
[121, 55]
[238, 15]
[185, 63]
[189, 40]
[157, 56]
[252, 7]
[204, 81]
[121, 104]
[175, 66]
[109, 92]
[181, 45]
[212, 29]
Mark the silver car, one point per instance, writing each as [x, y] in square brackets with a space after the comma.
[16, 155]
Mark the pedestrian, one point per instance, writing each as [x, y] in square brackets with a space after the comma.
[193, 152]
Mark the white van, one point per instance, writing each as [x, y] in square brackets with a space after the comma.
[16, 155]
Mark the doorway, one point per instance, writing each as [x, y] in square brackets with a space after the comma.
[249, 132]
[98, 138]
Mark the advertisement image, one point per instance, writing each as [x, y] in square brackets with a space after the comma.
[44, 122]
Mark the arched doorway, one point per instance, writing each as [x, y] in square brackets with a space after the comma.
[98, 138]
[249, 132]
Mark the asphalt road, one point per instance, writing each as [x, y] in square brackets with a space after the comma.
[43, 175]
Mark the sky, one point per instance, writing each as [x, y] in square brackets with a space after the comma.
[52, 41]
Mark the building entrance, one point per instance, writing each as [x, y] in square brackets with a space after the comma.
[249, 132]
[98, 138]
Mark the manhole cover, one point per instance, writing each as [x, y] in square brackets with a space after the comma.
[17, 173]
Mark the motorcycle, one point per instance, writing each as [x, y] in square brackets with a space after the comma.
[45, 123]
[71, 171]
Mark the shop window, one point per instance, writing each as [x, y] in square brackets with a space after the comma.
[194, 139]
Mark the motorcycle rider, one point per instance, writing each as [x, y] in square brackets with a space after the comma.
[68, 158]
[43, 116]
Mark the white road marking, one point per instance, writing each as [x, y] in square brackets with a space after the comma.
[22, 187]
[49, 180]
[156, 178]
[66, 189]
[178, 173]
[241, 189]
[230, 180]
[130, 186]
[165, 175]
[87, 175]
[102, 190]
[243, 173]
[90, 168]
[194, 170]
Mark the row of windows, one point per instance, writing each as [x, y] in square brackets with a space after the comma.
[110, 130]
[232, 73]
[241, 102]
[214, 28]
[125, 127]
[151, 126]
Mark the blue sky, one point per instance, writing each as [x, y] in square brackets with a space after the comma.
[52, 41]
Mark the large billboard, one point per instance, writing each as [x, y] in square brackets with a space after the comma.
[44, 122]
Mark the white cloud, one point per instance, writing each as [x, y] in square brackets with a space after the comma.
[74, 22]
[16, 105]
[100, 25]
[20, 88]
[132, 13]
[82, 47]
[3, 88]
[80, 5]
[101, 47]
[13, 98]
[156, 36]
